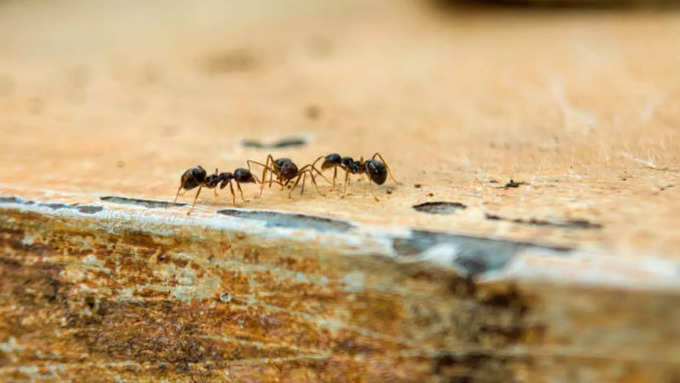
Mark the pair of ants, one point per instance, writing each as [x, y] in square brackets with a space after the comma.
[283, 171]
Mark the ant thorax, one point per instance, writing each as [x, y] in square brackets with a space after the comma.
[352, 166]
[212, 180]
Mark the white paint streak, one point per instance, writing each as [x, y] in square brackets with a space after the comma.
[593, 267]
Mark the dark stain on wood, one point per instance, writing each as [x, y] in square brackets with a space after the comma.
[140, 202]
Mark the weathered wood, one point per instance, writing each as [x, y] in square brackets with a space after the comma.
[147, 293]
[567, 273]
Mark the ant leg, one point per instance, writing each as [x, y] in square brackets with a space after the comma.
[335, 175]
[309, 168]
[270, 159]
[195, 198]
[344, 192]
[265, 167]
[233, 196]
[317, 160]
[304, 178]
[387, 166]
[177, 195]
[294, 185]
[335, 171]
[316, 186]
[369, 185]
[319, 172]
[238, 185]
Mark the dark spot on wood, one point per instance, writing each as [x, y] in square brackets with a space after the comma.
[513, 184]
[54, 206]
[475, 367]
[280, 144]
[353, 346]
[10, 263]
[140, 202]
[90, 301]
[90, 209]
[462, 287]
[439, 207]
[313, 112]
[568, 224]
[8, 230]
[11, 199]
[237, 60]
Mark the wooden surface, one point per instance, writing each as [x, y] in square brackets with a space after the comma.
[580, 106]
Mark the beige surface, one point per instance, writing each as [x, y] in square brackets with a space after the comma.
[583, 106]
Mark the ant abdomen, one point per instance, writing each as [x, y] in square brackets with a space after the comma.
[331, 160]
[242, 175]
[193, 178]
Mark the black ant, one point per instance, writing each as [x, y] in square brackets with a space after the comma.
[196, 177]
[285, 170]
[375, 170]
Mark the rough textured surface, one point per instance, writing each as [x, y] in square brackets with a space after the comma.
[533, 236]
[130, 294]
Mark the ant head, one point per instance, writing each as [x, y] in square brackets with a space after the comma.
[243, 175]
[377, 171]
[287, 168]
[331, 160]
[193, 177]
[225, 178]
